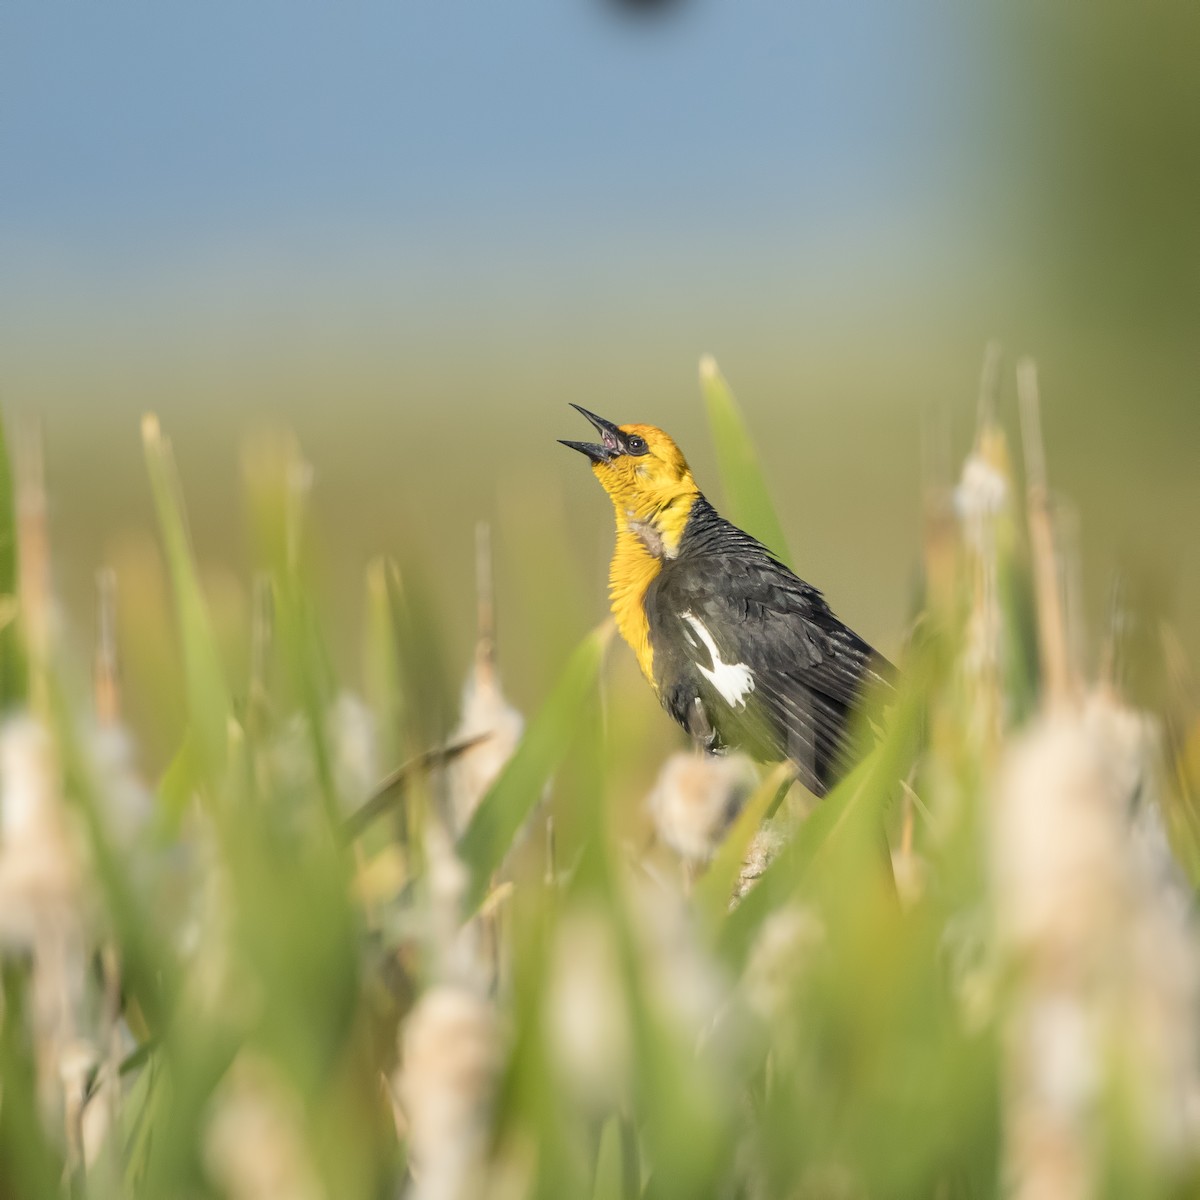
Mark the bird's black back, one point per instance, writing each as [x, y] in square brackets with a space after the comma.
[801, 673]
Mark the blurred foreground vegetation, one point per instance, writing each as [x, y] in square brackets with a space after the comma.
[380, 935]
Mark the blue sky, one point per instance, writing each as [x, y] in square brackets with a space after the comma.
[138, 139]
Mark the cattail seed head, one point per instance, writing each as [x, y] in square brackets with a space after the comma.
[696, 798]
[451, 1049]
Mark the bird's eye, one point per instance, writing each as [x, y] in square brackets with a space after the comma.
[636, 445]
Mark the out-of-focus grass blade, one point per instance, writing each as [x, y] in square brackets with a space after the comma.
[515, 793]
[29, 1163]
[381, 661]
[207, 693]
[278, 481]
[615, 1179]
[148, 966]
[715, 887]
[853, 809]
[390, 791]
[678, 1140]
[178, 783]
[417, 613]
[747, 498]
[12, 659]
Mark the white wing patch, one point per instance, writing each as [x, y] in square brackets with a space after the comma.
[733, 680]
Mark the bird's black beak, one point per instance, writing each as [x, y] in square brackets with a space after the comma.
[611, 444]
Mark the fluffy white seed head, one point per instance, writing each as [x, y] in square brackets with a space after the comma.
[451, 1055]
[983, 493]
[355, 741]
[254, 1146]
[696, 798]
[43, 899]
[38, 852]
[1107, 965]
[486, 713]
[127, 803]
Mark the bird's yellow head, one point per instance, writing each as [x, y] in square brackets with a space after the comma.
[639, 466]
[644, 473]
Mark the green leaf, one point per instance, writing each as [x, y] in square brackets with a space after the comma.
[12, 658]
[278, 481]
[381, 660]
[32, 1164]
[391, 790]
[208, 698]
[517, 791]
[147, 963]
[178, 783]
[747, 498]
[616, 1167]
[851, 814]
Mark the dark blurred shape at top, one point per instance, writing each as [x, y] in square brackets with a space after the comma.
[645, 8]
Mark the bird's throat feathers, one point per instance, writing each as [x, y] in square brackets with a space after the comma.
[653, 493]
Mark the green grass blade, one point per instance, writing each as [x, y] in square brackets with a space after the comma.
[514, 795]
[381, 662]
[148, 966]
[30, 1163]
[278, 481]
[747, 498]
[207, 694]
[851, 813]
[12, 658]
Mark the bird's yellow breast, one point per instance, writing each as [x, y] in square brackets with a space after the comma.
[632, 571]
[644, 542]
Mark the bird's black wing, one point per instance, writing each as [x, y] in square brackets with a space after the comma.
[747, 654]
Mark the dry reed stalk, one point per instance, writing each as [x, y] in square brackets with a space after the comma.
[1068, 540]
[982, 500]
[486, 713]
[106, 672]
[909, 869]
[485, 602]
[764, 848]
[1053, 645]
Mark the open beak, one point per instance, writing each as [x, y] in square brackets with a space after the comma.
[607, 448]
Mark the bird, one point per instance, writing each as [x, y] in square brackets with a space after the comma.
[742, 652]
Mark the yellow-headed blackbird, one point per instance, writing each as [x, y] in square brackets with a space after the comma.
[741, 652]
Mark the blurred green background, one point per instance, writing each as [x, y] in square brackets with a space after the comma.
[413, 234]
